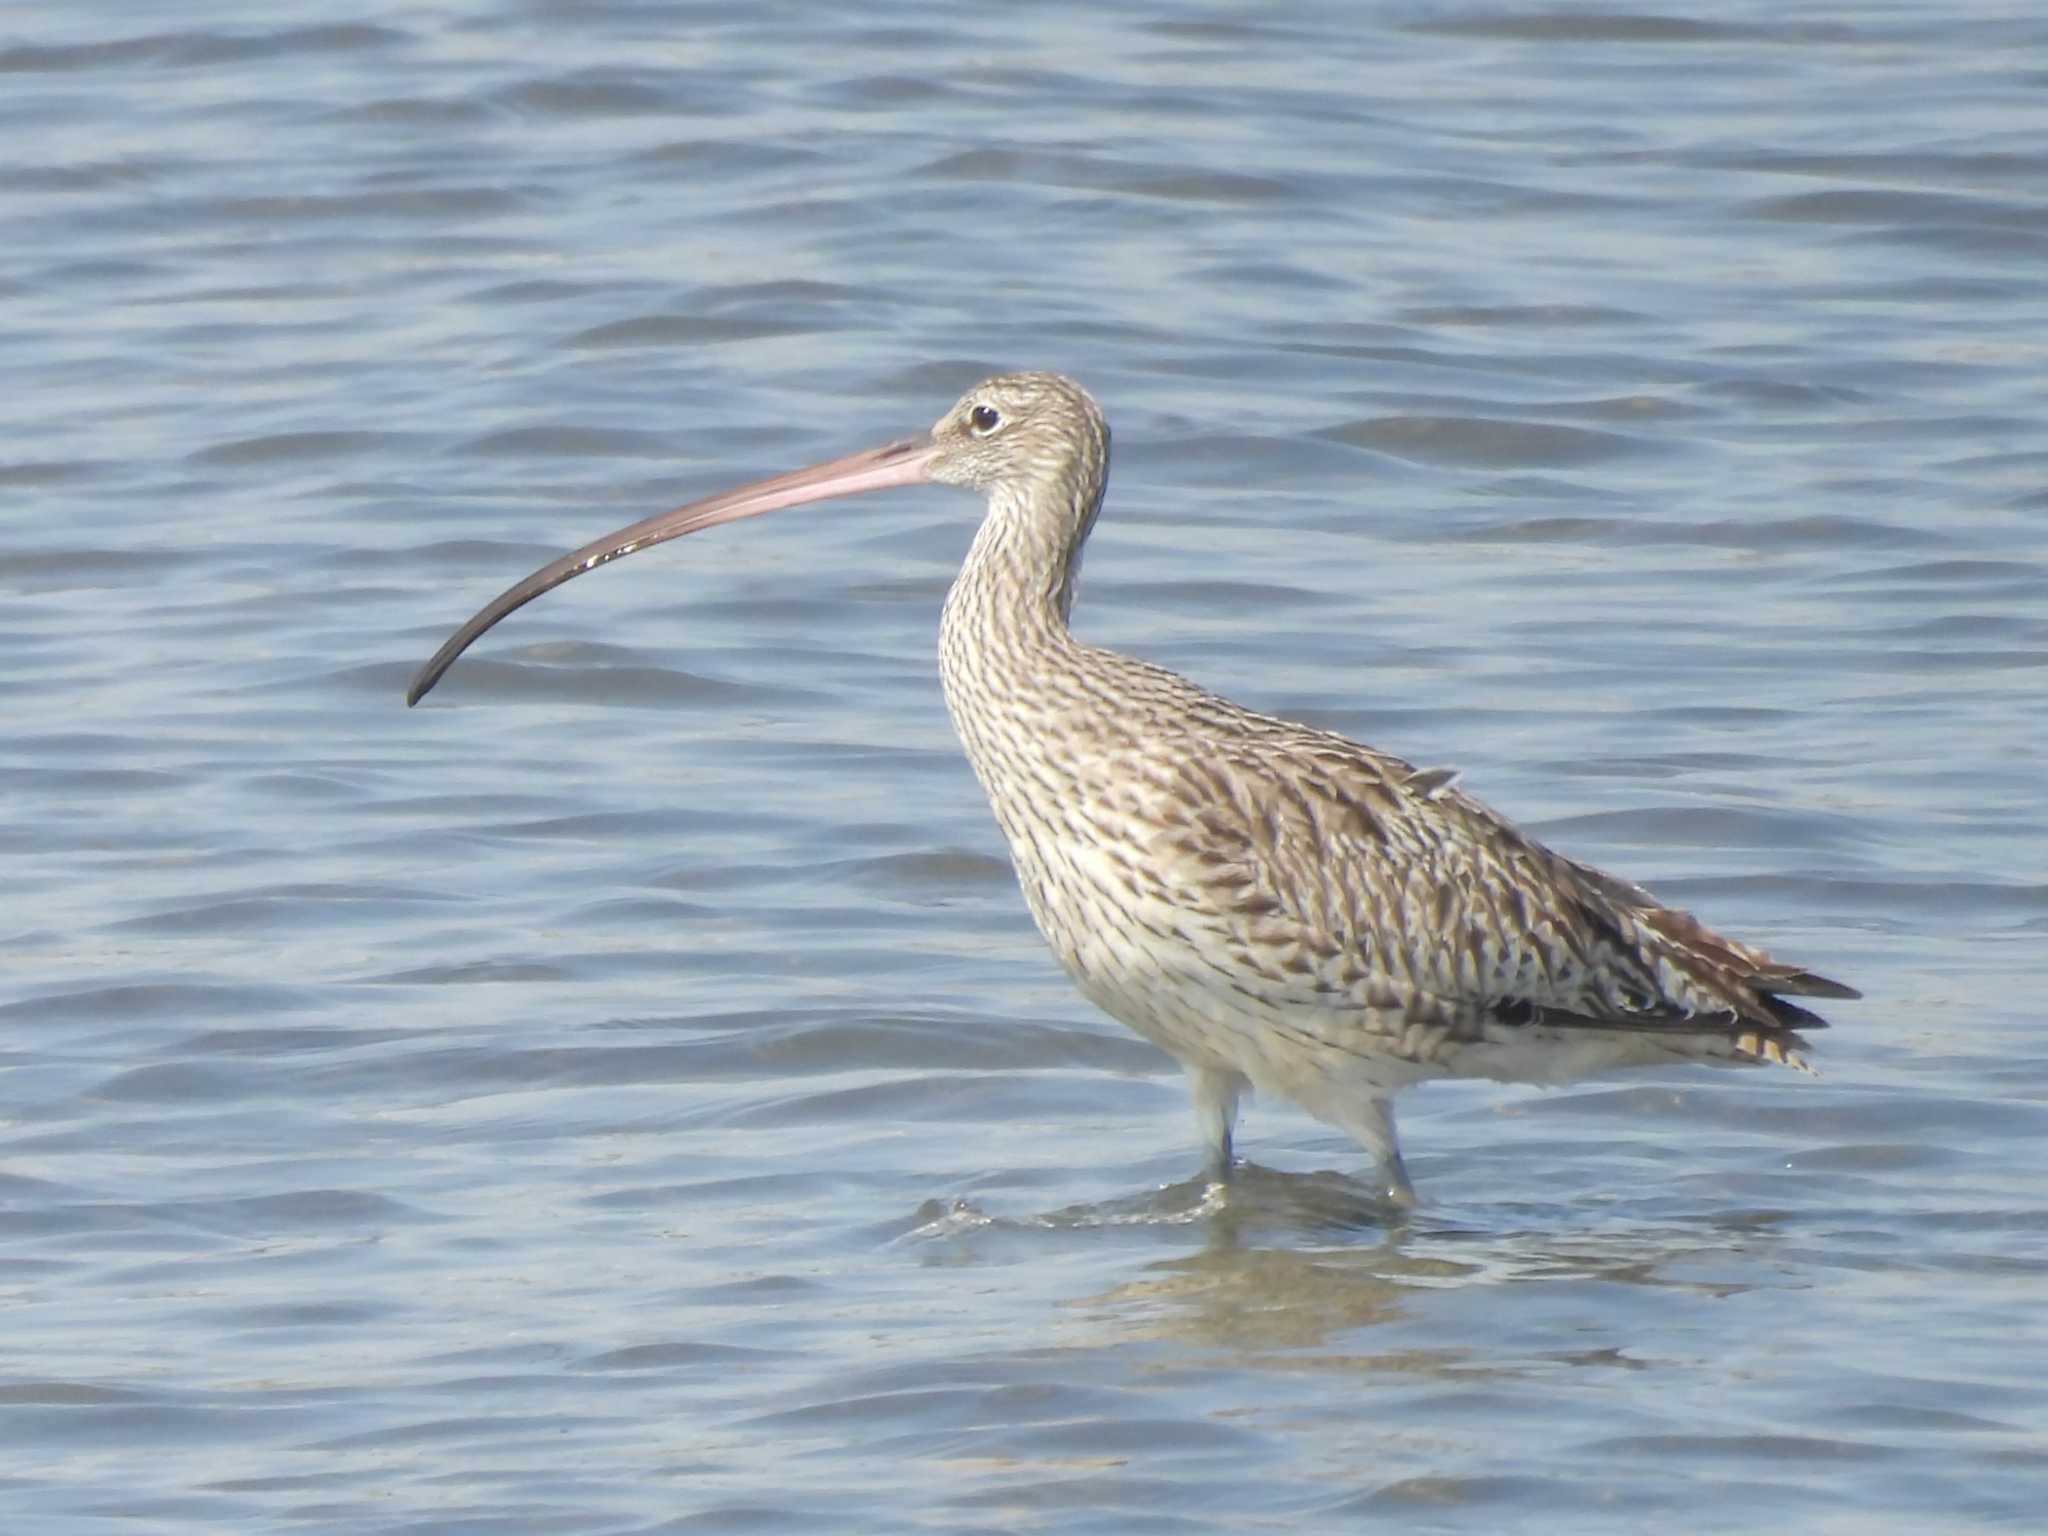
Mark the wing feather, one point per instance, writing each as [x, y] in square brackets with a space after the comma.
[1408, 887]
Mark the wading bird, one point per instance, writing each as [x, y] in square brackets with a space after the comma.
[1276, 907]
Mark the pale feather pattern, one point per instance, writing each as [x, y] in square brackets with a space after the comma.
[1276, 904]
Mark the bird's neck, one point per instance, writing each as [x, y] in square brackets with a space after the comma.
[1004, 634]
[1026, 557]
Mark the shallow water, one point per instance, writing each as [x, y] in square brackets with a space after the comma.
[626, 1092]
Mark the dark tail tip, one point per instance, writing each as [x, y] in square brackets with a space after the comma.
[1805, 984]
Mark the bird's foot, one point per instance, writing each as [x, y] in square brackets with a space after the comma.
[1395, 1189]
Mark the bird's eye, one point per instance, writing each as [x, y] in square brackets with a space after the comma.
[984, 419]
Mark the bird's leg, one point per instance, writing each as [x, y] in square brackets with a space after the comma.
[1394, 1186]
[1215, 1092]
[1373, 1125]
[1368, 1116]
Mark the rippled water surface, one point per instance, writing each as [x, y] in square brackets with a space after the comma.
[626, 1093]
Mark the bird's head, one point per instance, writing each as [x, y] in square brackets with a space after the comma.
[1017, 430]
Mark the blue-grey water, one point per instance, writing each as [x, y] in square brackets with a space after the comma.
[626, 1094]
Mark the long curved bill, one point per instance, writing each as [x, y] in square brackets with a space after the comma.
[877, 469]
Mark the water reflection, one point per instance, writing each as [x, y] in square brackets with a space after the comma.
[1286, 1261]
